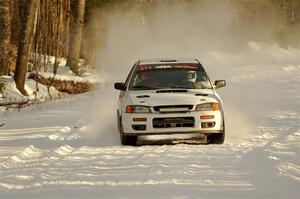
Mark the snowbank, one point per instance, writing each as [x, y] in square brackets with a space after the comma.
[65, 81]
[89, 78]
[38, 92]
[11, 96]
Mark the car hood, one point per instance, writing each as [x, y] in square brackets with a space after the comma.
[172, 97]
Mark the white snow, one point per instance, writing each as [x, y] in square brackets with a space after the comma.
[275, 52]
[90, 78]
[11, 95]
[70, 148]
[87, 74]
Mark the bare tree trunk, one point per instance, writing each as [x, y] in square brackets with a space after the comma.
[65, 27]
[56, 44]
[27, 23]
[77, 9]
[5, 34]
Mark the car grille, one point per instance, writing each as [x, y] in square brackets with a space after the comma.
[173, 108]
[173, 122]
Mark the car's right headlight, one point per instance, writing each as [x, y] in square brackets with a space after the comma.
[137, 109]
[208, 107]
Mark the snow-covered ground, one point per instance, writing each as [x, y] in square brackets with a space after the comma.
[70, 148]
[10, 96]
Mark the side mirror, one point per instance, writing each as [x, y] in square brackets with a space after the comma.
[120, 86]
[220, 83]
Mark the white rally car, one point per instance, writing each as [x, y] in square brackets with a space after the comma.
[170, 96]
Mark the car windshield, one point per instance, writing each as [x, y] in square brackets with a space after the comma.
[151, 77]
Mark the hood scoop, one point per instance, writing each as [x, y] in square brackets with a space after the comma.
[142, 96]
[201, 94]
[172, 91]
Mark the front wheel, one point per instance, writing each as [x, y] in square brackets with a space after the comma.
[128, 139]
[218, 138]
[125, 139]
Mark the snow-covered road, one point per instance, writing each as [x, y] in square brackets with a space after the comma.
[39, 163]
[68, 149]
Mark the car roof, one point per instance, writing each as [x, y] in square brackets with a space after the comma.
[168, 61]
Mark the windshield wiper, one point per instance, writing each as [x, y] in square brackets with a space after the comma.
[184, 87]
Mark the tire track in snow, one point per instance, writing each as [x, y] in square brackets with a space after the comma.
[71, 166]
[126, 166]
[285, 151]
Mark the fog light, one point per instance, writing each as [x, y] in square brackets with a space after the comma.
[207, 117]
[139, 119]
[206, 125]
[139, 127]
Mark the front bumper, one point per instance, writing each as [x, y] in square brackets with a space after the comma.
[172, 132]
[196, 128]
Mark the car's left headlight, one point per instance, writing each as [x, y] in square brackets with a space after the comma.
[137, 109]
[208, 107]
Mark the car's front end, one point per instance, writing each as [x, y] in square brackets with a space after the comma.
[171, 112]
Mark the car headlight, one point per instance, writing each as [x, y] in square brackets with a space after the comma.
[137, 109]
[208, 107]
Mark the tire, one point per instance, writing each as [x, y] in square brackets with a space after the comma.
[128, 140]
[218, 138]
[125, 139]
[119, 122]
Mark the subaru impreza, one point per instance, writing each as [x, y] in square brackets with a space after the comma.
[170, 96]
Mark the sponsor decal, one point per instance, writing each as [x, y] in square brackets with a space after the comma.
[163, 67]
[159, 67]
[187, 67]
[142, 68]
